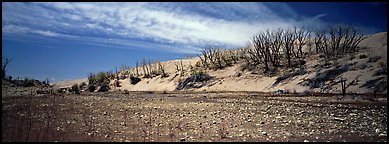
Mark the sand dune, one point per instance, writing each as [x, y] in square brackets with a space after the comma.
[225, 79]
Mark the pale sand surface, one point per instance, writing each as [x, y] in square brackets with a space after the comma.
[225, 79]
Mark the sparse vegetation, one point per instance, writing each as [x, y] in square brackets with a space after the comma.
[75, 89]
[134, 80]
[99, 81]
[126, 91]
[91, 88]
[362, 56]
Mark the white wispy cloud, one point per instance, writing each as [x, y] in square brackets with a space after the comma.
[24, 30]
[178, 27]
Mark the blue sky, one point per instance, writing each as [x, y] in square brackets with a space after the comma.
[63, 41]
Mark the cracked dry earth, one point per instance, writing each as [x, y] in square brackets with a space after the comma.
[142, 116]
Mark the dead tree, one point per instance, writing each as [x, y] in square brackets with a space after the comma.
[261, 51]
[234, 55]
[218, 58]
[288, 39]
[275, 46]
[204, 59]
[352, 39]
[211, 58]
[319, 41]
[301, 37]
[6, 61]
[143, 63]
[177, 66]
[137, 68]
[161, 69]
[182, 68]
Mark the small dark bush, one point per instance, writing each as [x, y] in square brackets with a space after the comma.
[117, 83]
[126, 91]
[83, 86]
[164, 75]
[122, 77]
[91, 88]
[75, 89]
[28, 83]
[134, 80]
[362, 56]
[103, 87]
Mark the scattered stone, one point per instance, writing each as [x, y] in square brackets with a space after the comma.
[306, 141]
[182, 139]
[264, 133]
[339, 119]
[278, 117]
[382, 135]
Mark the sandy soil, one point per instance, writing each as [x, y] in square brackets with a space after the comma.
[152, 116]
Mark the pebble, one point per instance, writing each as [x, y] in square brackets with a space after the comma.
[382, 135]
[339, 119]
[264, 133]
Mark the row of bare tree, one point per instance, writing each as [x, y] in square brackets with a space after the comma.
[215, 58]
[150, 68]
[274, 48]
[335, 40]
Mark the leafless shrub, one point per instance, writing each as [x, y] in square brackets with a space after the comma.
[213, 58]
[289, 38]
[338, 39]
[6, 61]
[302, 38]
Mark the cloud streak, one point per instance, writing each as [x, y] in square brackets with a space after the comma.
[178, 27]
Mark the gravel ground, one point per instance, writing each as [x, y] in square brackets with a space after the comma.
[147, 116]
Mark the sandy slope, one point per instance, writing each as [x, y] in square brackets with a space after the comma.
[225, 80]
[68, 83]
